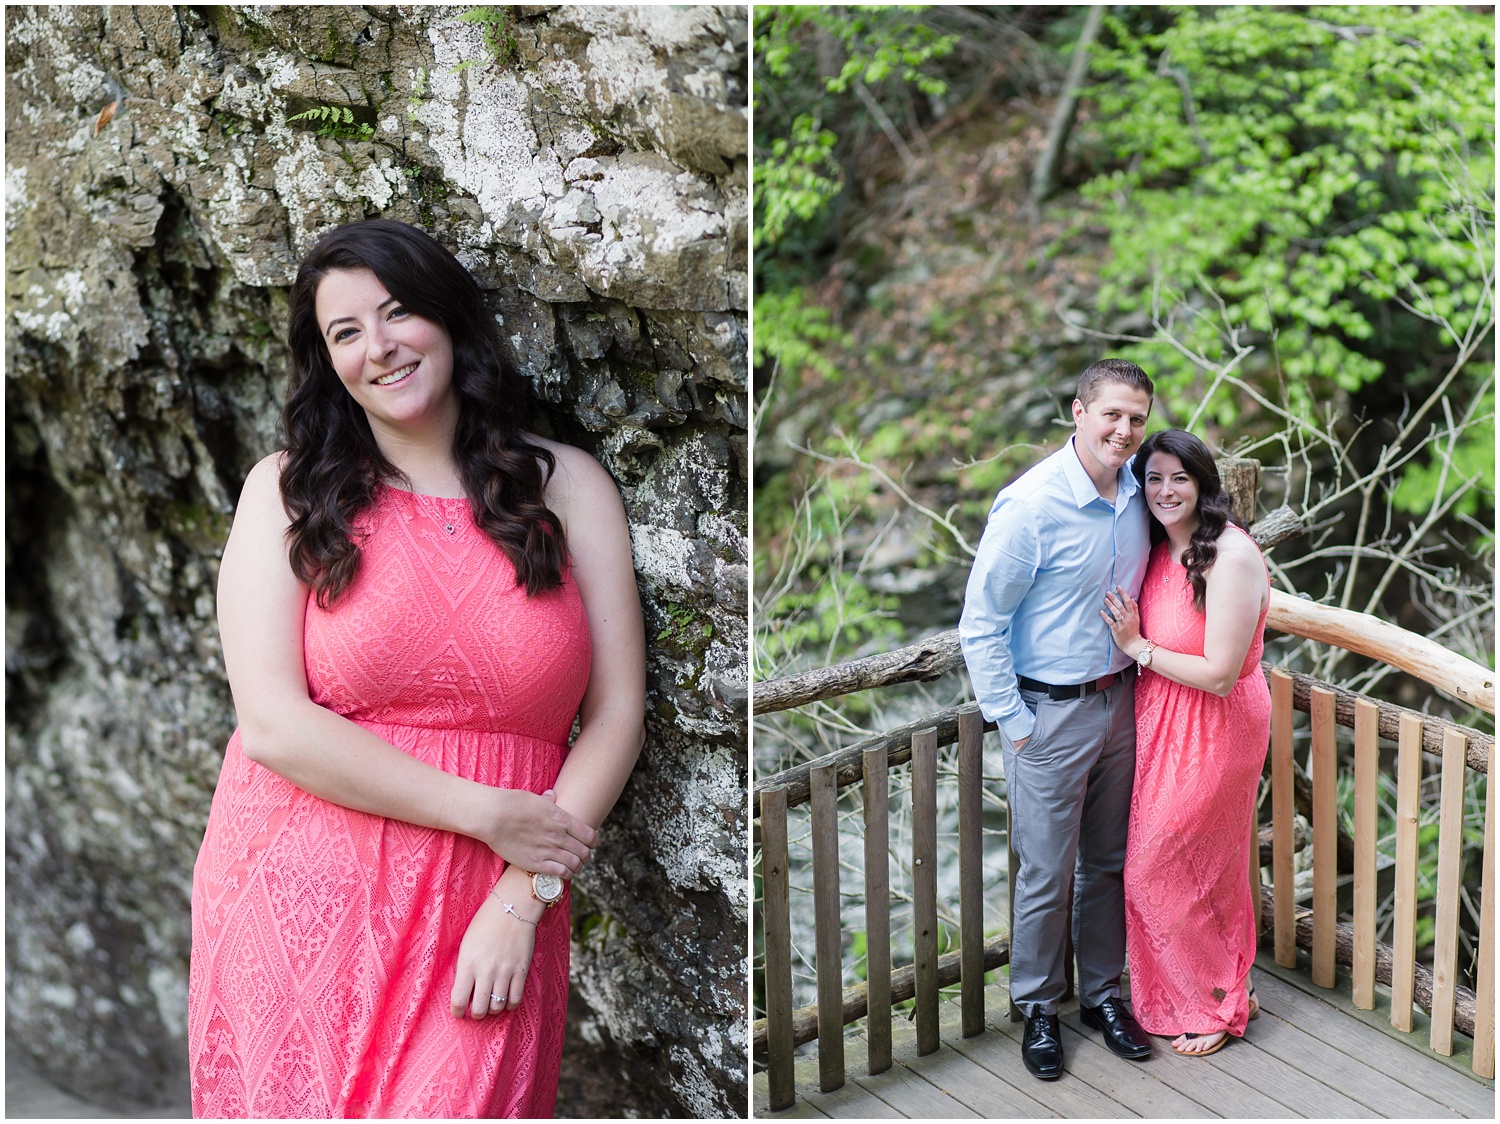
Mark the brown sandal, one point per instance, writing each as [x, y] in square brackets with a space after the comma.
[1254, 1005]
[1214, 1049]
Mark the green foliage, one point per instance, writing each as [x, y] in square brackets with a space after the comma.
[789, 329]
[336, 121]
[683, 629]
[798, 179]
[859, 952]
[1424, 485]
[837, 613]
[499, 41]
[877, 40]
[819, 605]
[419, 91]
[798, 174]
[797, 170]
[1313, 168]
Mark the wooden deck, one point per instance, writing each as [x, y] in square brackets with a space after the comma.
[1310, 1054]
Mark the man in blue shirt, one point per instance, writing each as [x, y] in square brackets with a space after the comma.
[1045, 669]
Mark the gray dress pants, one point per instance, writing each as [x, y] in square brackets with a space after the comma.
[1069, 793]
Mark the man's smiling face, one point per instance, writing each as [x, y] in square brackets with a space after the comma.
[1110, 427]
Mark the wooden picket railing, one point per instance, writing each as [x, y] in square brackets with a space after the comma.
[1316, 930]
[818, 784]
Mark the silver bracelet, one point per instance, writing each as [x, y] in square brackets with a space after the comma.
[512, 910]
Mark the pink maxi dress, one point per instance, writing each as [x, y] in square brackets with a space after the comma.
[1190, 922]
[325, 940]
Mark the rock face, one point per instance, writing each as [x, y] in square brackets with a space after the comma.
[589, 166]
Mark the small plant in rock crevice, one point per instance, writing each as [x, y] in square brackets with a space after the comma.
[337, 122]
[499, 41]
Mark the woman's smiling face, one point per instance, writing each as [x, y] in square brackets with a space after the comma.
[395, 364]
[1171, 493]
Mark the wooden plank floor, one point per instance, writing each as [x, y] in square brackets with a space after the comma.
[1310, 1054]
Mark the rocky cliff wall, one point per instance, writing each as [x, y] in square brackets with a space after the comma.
[589, 166]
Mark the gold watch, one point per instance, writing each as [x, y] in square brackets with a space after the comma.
[1142, 659]
[547, 889]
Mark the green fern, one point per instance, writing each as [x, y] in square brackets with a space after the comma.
[336, 121]
[418, 94]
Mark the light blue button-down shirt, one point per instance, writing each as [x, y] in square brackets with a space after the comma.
[1050, 550]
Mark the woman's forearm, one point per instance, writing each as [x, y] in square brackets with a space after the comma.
[341, 762]
[599, 764]
[1190, 671]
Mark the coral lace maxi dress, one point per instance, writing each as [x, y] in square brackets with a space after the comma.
[1189, 918]
[325, 940]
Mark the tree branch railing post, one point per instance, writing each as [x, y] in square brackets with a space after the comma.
[924, 884]
[878, 908]
[829, 928]
[971, 869]
[778, 945]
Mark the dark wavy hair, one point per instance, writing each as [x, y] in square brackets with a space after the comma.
[333, 467]
[1215, 510]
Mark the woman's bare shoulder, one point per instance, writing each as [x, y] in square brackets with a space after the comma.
[268, 468]
[1239, 558]
[261, 492]
[576, 475]
[1236, 542]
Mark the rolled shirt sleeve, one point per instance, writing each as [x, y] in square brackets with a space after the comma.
[1005, 566]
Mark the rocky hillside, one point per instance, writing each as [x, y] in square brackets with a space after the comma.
[165, 168]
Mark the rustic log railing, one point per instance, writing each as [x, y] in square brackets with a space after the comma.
[939, 654]
[1316, 930]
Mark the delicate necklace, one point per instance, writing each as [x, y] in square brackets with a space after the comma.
[444, 507]
[1166, 574]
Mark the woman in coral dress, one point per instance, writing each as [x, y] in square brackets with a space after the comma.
[1203, 719]
[413, 604]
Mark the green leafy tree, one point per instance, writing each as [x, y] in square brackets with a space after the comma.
[797, 170]
[1326, 173]
[815, 68]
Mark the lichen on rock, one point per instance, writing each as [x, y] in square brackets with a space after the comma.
[593, 176]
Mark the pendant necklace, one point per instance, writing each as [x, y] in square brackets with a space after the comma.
[445, 508]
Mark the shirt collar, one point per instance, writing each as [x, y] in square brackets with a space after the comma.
[1084, 492]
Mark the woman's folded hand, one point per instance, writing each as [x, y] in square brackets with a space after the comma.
[533, 833]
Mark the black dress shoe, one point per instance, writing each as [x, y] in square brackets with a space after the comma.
[1041, 1047]
[1122, 1034]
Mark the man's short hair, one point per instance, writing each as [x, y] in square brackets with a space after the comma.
[1112, 370]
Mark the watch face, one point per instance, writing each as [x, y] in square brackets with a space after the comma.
[547, 887]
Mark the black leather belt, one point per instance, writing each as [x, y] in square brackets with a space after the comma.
[1073, 690]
